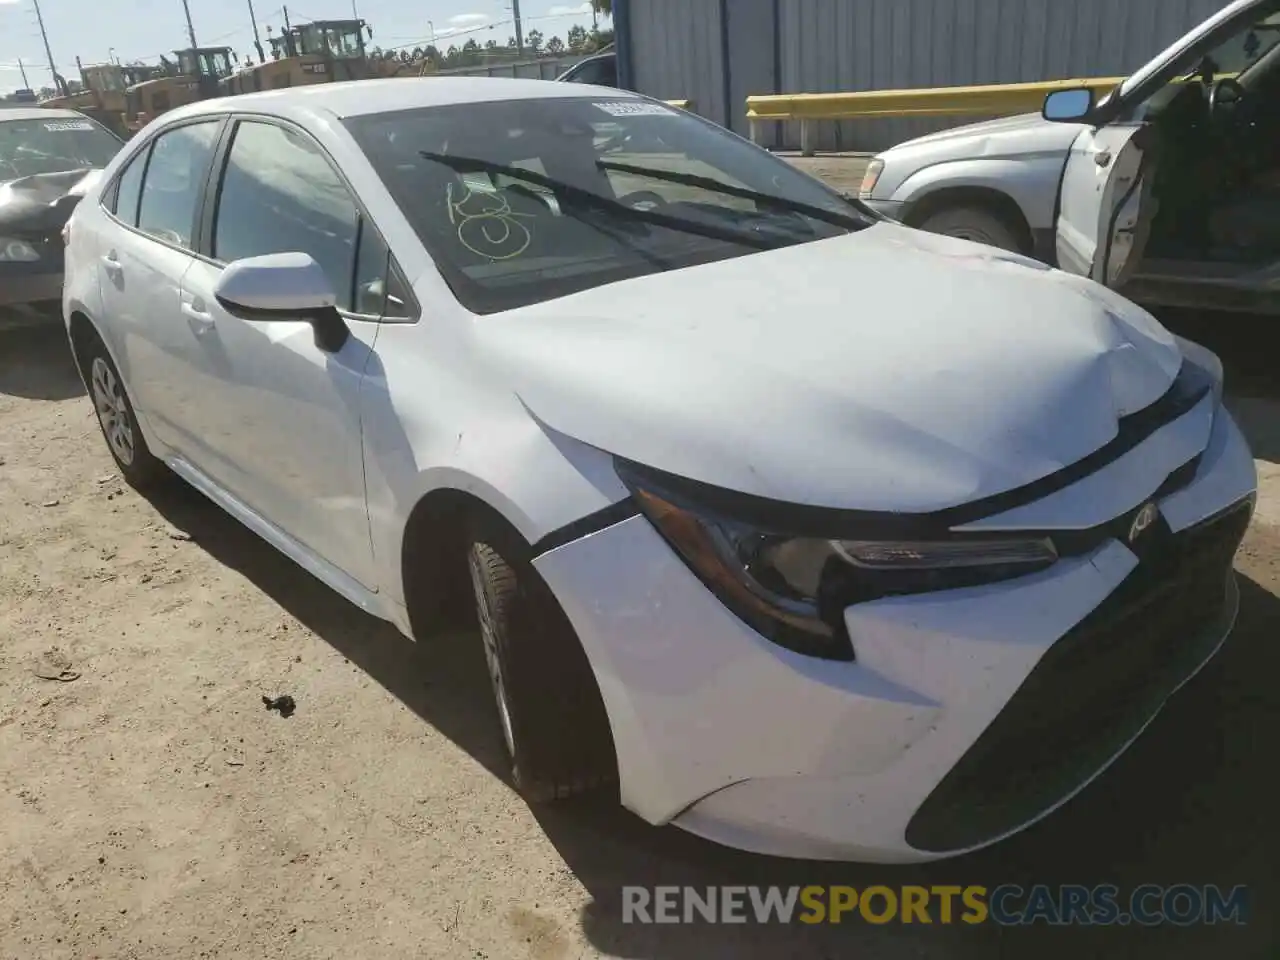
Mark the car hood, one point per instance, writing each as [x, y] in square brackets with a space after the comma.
[39, 205]
[888, 369]
[1022, 126]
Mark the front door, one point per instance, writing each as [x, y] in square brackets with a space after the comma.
[281, 428]
[1106, 206]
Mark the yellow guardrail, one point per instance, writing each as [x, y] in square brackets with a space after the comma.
[994, 100]
[681, 104]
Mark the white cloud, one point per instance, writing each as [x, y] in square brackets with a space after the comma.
[469, 19]
[581, 10]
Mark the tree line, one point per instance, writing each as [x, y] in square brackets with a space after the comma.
[577, 41]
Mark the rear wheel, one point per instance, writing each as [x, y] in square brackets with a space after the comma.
[972, 223]
[550, 713]
[116, 417]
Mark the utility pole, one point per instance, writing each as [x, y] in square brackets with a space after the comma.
[257, 41]
[515, 15]
[26, 84]
[58, 83]
[191, 30]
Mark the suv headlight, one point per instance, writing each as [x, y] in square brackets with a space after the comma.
[793, 589]
[17, 251]
[870, 177]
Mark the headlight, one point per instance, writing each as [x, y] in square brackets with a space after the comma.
[17, 251]
[794, 589]
[870, 177]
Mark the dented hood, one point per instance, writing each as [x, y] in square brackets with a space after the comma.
[884, 370]
[39, 205]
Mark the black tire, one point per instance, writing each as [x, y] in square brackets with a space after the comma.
[556, 729]
[119, 424]
[976, 224]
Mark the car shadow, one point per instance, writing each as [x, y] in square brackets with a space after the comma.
[442, 680]
[1185, 805]
[36, 363]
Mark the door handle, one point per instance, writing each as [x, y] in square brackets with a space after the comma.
[111, 263]
[200, 321]
[1102, 158]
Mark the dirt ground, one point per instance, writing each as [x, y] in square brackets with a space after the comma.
[151, 806]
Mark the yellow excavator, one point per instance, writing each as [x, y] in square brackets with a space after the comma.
[318, 52]
[102, 93]
[197, 76]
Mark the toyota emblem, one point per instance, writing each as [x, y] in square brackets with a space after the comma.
[1144, 518]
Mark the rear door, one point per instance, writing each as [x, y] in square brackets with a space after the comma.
[144, 256]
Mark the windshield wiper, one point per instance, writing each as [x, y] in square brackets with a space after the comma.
[744, 193]
[587, 197]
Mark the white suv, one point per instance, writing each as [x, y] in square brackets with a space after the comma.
[1168, 188]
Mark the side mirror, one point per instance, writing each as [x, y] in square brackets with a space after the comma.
[284, 286]
[1068, 106]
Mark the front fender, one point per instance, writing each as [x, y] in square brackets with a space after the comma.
[1029, 181]
[431, 425]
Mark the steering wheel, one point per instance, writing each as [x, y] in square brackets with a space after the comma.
[1225, 95]
[643, 200]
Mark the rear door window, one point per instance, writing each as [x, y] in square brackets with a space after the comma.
[129, 190]
[175, 179]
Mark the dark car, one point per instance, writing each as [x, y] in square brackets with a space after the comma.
[601, 70]
[48, 158]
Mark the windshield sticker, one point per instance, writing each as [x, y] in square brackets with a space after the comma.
[633, 108]
[492, 231]
[60, 125]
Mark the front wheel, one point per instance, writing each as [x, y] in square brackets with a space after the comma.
[549, 709]
[971, 223]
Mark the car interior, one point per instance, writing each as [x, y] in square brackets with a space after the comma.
[1216, 155]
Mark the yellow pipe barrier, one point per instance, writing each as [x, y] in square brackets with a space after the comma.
[994, 100]
[680, 104]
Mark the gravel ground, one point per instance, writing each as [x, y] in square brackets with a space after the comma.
[152, 807]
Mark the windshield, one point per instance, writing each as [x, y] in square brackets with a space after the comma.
[29, 147]
[522, 201]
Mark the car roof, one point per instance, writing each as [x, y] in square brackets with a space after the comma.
[37, 113]
[355, 98]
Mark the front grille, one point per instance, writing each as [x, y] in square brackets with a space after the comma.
[1092, 691]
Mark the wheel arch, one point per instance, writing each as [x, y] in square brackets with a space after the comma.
[988, 199]
[432, 561]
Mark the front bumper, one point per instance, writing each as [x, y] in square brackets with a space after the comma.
[27, 288]
[37, 282]
[953, 727]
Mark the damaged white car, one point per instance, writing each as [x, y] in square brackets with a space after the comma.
[820, 535]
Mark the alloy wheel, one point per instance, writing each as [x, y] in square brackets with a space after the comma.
[113, 411]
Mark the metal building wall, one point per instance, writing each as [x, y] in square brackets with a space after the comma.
[676, 52]
[836, 45]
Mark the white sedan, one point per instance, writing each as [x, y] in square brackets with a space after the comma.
[820, 535]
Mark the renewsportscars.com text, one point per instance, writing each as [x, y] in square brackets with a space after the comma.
[1008, 905]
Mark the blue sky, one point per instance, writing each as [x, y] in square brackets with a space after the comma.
[144, 29]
